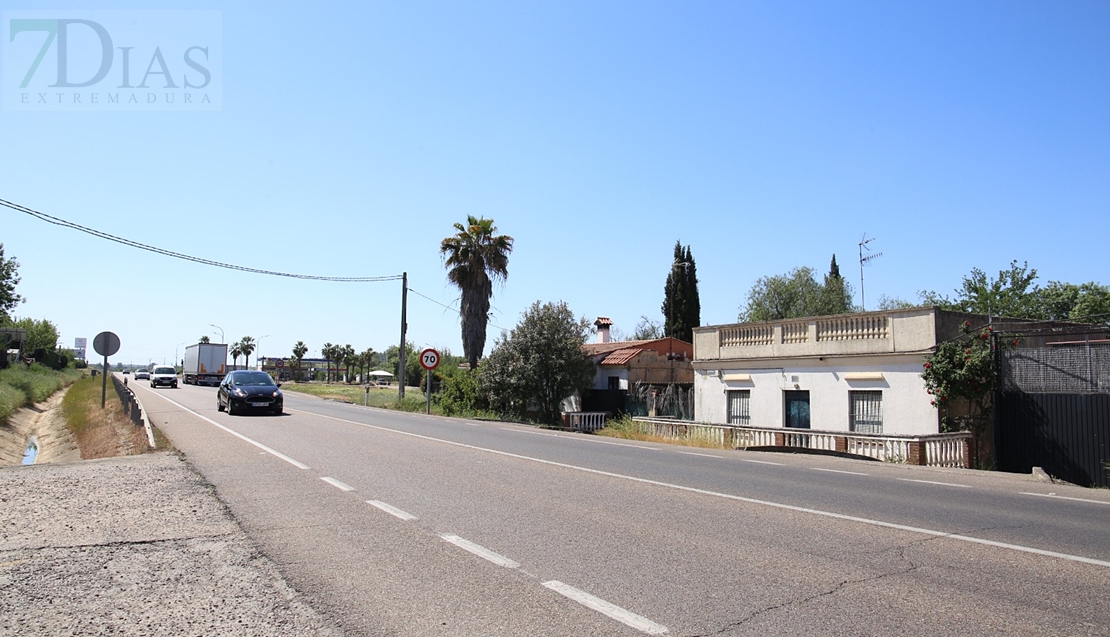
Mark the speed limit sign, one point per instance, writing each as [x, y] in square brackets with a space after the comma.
[429, 359]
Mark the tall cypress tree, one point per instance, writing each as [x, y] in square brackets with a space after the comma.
[836, 294]
[681, 305]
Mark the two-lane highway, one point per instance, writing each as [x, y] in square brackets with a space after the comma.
[399, 523]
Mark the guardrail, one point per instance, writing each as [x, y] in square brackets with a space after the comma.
[936, 450]
[133, 407]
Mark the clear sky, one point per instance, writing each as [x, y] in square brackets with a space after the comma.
[764, 135]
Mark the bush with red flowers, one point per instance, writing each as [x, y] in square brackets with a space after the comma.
[961, 369]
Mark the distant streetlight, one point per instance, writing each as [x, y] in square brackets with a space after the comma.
[221, 331]
[175, 358]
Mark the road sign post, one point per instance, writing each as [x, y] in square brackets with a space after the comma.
[429, 360]
[105, 344]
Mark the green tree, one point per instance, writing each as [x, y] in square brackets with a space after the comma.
[774, 298]
[540, 363]
[41, 334]
[1014, 294]
[204, 339]
[893, 303]
[299, 350]
[349, 356]
[1085, 303]
[836, 293]
[796, 295]
[366, 361]
[328, 352]
[247, 346]
[236, 351]
[9, 278]
[475, 257]
[413, 371]
[681, 305]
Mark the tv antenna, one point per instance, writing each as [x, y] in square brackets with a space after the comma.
[864, 260]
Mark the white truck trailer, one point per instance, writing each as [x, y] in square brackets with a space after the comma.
[205, 364]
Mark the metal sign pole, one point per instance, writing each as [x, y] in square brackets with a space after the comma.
[104, 383]
[428, 383]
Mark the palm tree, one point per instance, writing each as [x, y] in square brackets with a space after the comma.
[203, 339]
[474, 255]
[299, 350]
[365, 361]
[236, 351]
[347, 355]
[247, 345]
[327, 351]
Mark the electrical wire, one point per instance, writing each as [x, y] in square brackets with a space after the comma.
[185, 257]
[459, 312]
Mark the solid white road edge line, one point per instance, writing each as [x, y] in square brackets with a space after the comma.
[392, 510]
[275, 453]
[777, 464]
[480, 551]
[337, 484]
[739, 498]
[703, 455]
[1062, 497]
[943, 484]
[851, 473]
[626, 617]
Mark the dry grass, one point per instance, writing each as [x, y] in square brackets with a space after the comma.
[624, 428]
[101, 433]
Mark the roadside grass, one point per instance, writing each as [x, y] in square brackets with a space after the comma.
[107, 432]
[382, 397]
[22, 386]
[623, 427]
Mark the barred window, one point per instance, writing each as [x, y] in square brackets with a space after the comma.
[738, 400]
[865, 412]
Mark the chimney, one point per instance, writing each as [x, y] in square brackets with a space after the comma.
[602, 324]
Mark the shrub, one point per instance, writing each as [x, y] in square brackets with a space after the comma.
[459, 394]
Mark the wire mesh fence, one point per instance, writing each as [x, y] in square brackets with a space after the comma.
[1081, 368]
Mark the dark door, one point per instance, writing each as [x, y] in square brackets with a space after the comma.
[797, 409]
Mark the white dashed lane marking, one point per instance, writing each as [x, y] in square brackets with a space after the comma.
[392, 510]
[626, 617]
[480, 551]
[338, 485]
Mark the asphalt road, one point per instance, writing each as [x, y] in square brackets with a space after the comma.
[401, 524]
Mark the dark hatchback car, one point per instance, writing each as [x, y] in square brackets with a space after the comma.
[246, 390]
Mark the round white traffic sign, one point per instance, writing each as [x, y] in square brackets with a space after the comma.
[106, 344]
[429, 359]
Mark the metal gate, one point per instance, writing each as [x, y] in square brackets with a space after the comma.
[1053, 412]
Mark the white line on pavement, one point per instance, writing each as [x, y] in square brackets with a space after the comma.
[525, 431]
[703, 455]
[276, 454]
[392, 510]
[626, 617]
[943, 484]
[480, 551]
[851, 473]
[1062, 497]
[337, 484]
[739, 498]
[777, 464]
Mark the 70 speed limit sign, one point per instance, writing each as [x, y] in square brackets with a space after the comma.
[429, 359]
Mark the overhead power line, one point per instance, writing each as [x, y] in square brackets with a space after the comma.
[185, 257]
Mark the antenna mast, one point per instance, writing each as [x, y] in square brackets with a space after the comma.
[864, 260]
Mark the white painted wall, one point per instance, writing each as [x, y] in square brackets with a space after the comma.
[601, 378]
[906, 408]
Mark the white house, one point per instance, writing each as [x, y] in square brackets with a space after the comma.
[852, 372]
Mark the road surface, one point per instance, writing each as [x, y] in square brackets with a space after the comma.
[404, 524]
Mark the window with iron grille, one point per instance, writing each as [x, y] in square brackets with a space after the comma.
[738, 401]
[865, 412]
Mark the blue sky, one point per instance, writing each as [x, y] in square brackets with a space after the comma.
[766, 136]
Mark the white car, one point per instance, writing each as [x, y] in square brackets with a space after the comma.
[163, 375]
[142, 374]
